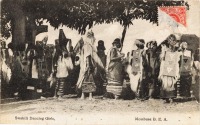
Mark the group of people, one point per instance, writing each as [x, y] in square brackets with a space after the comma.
[160, 71]
[163, 71]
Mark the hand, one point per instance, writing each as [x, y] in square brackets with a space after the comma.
[163, 47]
[177, 77]
[134, 73]
[159, 78]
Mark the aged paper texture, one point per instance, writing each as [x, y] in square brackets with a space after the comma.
[87, 62]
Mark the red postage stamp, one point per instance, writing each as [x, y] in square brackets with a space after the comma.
[175, 13]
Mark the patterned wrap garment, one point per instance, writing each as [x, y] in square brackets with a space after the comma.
[169, 72]
[64, 65]
[114, 72]
[136, 68]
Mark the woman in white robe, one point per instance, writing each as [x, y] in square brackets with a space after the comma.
[88, 61]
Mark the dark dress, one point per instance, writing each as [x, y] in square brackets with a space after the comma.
[100, 74]
[185, 73]
[153, 63]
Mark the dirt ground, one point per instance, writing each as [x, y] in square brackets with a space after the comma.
[73, 110]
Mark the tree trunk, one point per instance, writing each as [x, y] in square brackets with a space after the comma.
[30, 30]
[18, 23]
[123, 36]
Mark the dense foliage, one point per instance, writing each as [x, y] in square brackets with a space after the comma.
[83, 14]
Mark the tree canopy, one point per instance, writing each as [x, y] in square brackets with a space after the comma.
[80, 14]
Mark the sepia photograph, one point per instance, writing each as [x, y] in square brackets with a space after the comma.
[100, 62]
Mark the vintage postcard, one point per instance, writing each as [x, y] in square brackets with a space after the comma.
[100, 62]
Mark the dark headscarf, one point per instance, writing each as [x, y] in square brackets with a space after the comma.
[117, 41]
[140, 43]
[172, 40]
[101, 45]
